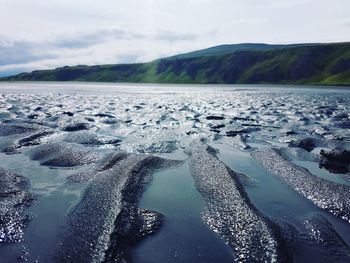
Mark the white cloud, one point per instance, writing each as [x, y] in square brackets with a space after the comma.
[45, 34]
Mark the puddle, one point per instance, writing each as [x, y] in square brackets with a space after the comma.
[276, 200]
[53, 201]
[184, 237]
[323, 173]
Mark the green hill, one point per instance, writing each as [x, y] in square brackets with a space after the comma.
[226, 49]
[227, 64]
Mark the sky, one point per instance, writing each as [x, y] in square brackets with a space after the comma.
[45, 34]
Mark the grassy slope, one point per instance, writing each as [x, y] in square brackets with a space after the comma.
[225, 49]
[302, 64]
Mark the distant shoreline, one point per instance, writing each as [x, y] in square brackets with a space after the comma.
[272, 85]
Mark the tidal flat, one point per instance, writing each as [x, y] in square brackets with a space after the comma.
[97, 172]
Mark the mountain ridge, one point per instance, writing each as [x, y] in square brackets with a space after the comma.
[246, 63]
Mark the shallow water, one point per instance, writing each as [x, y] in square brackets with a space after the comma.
[184, 236]
[54, 201]
[323, 173]
[163, 120]
[271, 196]
[281, 203]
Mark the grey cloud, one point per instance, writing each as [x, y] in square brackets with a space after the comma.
[78, 41]
[25, 51]
[174, 37]
[18, 52]
[87, 39]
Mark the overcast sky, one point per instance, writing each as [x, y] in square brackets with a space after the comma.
[40, 34]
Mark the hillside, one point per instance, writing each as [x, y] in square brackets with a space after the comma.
[228, 64]
[226, 49]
